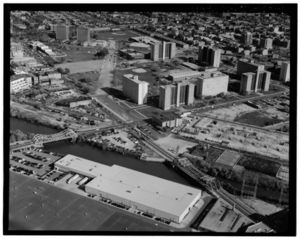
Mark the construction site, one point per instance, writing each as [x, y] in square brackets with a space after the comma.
[238, 136]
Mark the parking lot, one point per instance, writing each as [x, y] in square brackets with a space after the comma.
[32, 162]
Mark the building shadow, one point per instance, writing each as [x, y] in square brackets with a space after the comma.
[115, 93]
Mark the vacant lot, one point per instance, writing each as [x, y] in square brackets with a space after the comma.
[172, 144]
[81, 66]
[240, 137]
[259, 164]
[230, 113]
[85, 82]
[34, 205]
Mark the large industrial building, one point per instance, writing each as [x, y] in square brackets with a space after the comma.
[211, 84]
[62, 32]
[163, 51]
[83, 34]
[174, 95]
[209, 56]
[135, 89]
[253, 82]
[285, 72]
[143, 192]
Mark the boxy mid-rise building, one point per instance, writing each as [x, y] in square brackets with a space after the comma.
[62, 32]
[254, 82]
[211, 84]
[83, 34]
[163, 51]
[285, 72]
[174, 95]
[135, 89]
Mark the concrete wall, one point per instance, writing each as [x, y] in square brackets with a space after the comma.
[138, 206]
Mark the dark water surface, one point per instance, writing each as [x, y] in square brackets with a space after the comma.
[97, 155]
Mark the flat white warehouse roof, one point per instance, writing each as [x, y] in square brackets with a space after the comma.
[134, 186]
[82, 166]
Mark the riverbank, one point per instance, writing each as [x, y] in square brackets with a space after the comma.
[34, 116]
[109, 158]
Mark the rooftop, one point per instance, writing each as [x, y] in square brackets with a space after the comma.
[16, 77]
[209, 74]
[134, 79]
[259, 227]
[191, 65]
[135, 186]
[229, 158]
[164, 116]
[222, 218]
[183, 73]
[145, 39]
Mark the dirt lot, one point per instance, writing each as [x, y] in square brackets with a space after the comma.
[257, 118]
[263, 207]
[171, 143]
[231, 112]
[51, 208]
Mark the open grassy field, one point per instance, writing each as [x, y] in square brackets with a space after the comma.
[80, 54]
[81, 66]
[34, 205]
[74, 52]
[117, 36]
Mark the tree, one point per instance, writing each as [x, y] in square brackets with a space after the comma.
[12, 138]
[44, 37]
[101, 53]
[67, 71]
[60, 70]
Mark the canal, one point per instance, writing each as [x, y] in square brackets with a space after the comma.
[97, 155]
